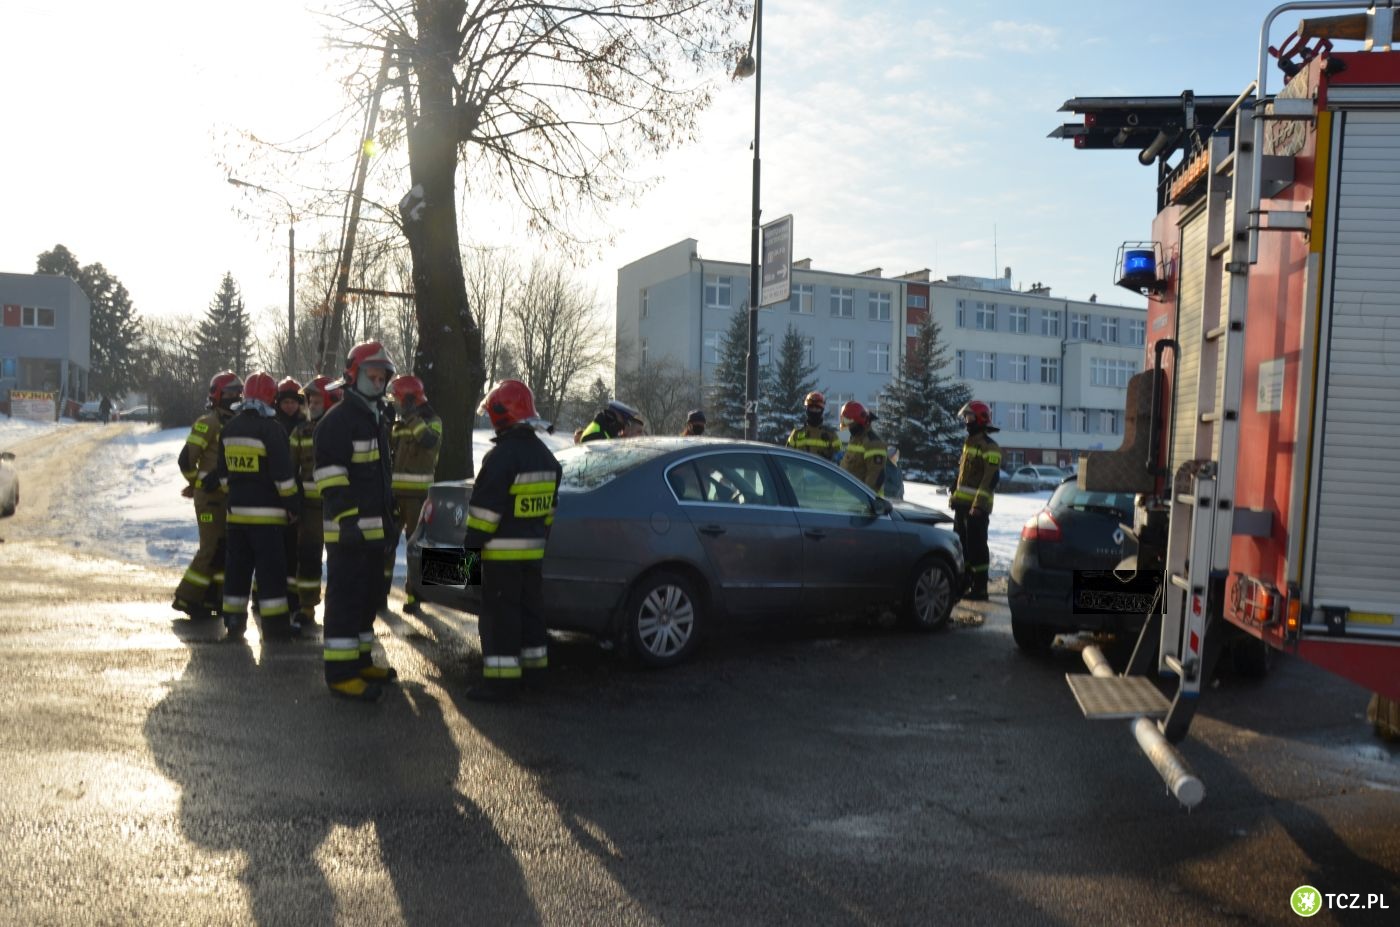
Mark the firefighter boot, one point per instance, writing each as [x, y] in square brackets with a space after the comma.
[356, 690]
[978, 592]
[379, 674]
[193, 611]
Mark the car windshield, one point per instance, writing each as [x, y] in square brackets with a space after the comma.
[1070, 496]
[597, 463]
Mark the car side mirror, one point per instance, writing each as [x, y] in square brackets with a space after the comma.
[882, 506]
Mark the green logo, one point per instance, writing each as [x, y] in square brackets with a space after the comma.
[1306, 901]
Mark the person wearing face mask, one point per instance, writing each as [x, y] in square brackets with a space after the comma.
[615, 420]
[865, 452]
[813, 436]
[694, 424]
[357, 505]
[319, 398]
[978, 470]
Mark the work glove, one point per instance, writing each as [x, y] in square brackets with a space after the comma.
[188, 491]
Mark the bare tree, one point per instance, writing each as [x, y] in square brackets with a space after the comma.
[493, 278]
[663, 391]
[555, 331]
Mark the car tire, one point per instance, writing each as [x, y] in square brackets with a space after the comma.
[1251, 657]
[930, 596]
[664, 619]
[1031, 637]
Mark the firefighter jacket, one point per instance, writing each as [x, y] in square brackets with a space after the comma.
[815, 439]
[596, 431]
[513, 500]
[255, 467]
[865, 459]
[304, 459]
[415, 442]
[977, 473]
[352, 472]
[199, 458]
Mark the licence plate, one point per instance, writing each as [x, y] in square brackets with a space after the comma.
[444, 568]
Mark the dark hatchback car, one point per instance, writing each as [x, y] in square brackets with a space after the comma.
[655, 538]
[1063, 578]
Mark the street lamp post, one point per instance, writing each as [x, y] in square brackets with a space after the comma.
[749, 66]
[291, 260]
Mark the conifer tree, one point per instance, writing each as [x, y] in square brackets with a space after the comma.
[728, 391]
[792, 381]
[921, 405]
[115, 327]
[224, 338]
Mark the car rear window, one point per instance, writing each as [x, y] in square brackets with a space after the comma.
[597, 463]
[1070, 496]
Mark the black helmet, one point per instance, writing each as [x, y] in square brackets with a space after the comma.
[696, 416]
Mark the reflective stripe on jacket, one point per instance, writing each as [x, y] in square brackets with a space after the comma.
[414, 445]
[199, 458]
[304, 458]
[255, 463]
[514, 498]
[352, 469]
[977, 472]
[815, 439]
[865, 459]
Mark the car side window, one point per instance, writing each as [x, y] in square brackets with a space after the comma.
[734, 479]
[819, 489]
[685, 482]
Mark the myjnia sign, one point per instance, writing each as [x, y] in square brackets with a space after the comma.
[776, 280]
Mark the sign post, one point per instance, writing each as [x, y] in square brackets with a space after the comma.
[777, 262]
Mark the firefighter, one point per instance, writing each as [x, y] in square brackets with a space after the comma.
[255, 467]
[508, 517]
[865, 452]
[200, 593]
[813, 436]
[694, 424]
[978, 470]
[414, 442]
[615, 420]
[290, 406]
[357, 504]
[319, 398]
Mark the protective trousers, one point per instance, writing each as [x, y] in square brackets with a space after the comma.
[308, 559]
[512, 618]
[352, 597]
[972, 532]
[203, 580]
[410, 504]
[255, 550]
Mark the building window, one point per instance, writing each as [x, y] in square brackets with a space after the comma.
[1016, 416]
[1050, 322]
[1020, 368]
[1020, 319]
[644, 352]
[879, 307]
[996, 414]
[713, 340]
[36, 317]
[843, 302]
[1079, 326]
[803, 298]
[1050, 370]
[986, 365]
[918, 302]
[960, 364]
[1103, 372]
[1049, 418]
[719, 292]
[1110, 421]
[644, 304]
[962, 317]
[1110, 329]
[808, 352]
[1078, 421]
[842, 353]
[879, 357]
[986, 317]
[1137, 332]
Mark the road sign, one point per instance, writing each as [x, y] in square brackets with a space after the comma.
[777, 262]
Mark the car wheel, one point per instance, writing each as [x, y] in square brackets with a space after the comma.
[664, 618]
[930, 596]
[1031, 637]
[1251, 657]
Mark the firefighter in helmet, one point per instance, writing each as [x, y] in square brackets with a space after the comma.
[291, 412]
[694, 424]
[865, 452]
[200, 592]
[255, 466]
[616, 420]
[508, 517]
[812, 435]
[307, 570]
[978, 470]
[357, 505]
[414, 444]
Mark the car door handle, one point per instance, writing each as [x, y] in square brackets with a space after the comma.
[713, 531]
[815, 534]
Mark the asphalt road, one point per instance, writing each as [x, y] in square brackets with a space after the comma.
[150, 774]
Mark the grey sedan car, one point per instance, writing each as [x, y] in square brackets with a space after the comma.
[655, 538]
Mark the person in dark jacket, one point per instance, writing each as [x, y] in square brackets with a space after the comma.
[508, 517]
[974, 494]
[614, 420]
[289, 406]
[894, 476]
[357, 505]
[104, 409]
[201, 590]
[415, 439]
[694, 424]
[255, 467]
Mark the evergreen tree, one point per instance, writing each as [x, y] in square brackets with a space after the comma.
[728, 391]
[792, 381]
[921, 406]
[115, 329]
[598, 395]
[224, 338]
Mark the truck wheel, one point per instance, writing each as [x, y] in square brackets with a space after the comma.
[1251, 657]
[1030, 637]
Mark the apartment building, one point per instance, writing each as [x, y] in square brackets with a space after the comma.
[45, 335]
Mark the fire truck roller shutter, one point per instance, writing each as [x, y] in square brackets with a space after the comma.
[1189, 331]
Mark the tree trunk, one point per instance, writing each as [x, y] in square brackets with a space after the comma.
[449, 355]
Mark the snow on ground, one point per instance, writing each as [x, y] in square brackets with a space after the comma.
[132, 508]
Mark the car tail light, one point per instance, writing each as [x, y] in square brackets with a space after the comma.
[1042, 527]
[426, 515]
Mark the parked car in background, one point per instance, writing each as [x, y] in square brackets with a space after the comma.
[9, 485]
[137, 414]
[1038, 476]
[1063, 578]
[90, 411]
[656, 538]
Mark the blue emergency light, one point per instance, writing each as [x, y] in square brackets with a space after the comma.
[1137, 264]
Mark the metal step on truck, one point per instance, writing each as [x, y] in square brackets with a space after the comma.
[1262, 439]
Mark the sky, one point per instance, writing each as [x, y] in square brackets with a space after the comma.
[899, 134]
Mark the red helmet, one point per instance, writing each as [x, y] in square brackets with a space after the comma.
[224, 387]
[510, 403]
[262, 387]
[289, 388]
[855, 413]
[323, 387]
[976, 412]
[815, 400]
[408, 387]
[366, 354]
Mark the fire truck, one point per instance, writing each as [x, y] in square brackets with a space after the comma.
[1262, 439]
